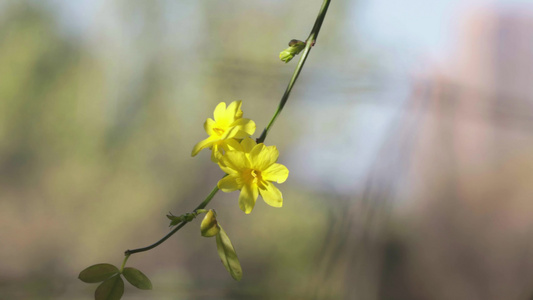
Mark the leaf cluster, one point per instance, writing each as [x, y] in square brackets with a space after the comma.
[112, 285]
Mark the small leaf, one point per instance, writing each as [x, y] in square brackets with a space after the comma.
[228, 255]
[98, 273]
[137, 278]
[111, 289]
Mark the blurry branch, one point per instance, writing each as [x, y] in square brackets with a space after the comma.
[310, 42]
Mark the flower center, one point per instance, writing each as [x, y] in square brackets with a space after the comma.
[218, 131]
[253, 176]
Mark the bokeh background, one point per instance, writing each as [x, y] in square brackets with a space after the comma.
[409, 140]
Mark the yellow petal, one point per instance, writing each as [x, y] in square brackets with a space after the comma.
[247, 144]
[231, 132]
[227, 145]
[215, 155]
[235, 109]
[247, 127]
[276, 172]
[220, 112]
[229, 184]
[254, 153]
[216, 151]
[271, 194]
[262, 157]
[201, 145]
[231, 144]
[248, 197]
[208, 126]
[233, 162]
[239, 134]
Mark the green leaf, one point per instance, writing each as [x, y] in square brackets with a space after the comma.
[111, 289]
[137, 278]
[98, 273]
[228, 255]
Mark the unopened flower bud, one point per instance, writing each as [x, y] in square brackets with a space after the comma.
[295, 47]
[209, 226]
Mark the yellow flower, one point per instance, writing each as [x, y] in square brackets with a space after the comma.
[223, 131]
[252, 169]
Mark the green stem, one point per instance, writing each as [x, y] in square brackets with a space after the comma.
[310, 42]
[124, 263]
[178, 227]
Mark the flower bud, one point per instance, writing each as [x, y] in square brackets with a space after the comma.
[209, 226]
[295, 47]
[285, 56]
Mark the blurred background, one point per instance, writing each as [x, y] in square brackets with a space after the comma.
[409, 140]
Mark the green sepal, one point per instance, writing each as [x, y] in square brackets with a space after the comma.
[137, 278]
[228, 255]
[209, 226]
[174, 220]
[98, 273]
[111, 289]
[295, 47]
